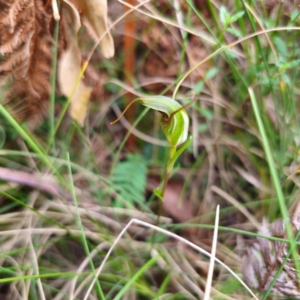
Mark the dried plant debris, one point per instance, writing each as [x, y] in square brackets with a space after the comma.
[94, 13]
[26, 42]
[70, 67]
[264, 258]
[26, 30]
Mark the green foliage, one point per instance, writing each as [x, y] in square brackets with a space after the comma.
[281, 47]
[130, 178]
[211, 73]
[229, 286]
[234, 32]
[226, 18]
[295, 15]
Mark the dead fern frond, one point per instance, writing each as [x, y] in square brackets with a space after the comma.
[26, 41]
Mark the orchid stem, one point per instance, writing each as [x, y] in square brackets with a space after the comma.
[173, 156]
[166, 179]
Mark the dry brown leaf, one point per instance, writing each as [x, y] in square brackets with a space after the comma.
[70, 68]
[95, 11]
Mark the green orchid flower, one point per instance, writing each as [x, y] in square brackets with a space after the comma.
[174, 121]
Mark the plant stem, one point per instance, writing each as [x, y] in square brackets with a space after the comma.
[169, 169]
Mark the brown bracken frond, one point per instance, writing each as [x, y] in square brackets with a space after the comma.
[26, 40]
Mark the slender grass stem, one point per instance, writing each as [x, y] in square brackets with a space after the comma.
[84, 240]
[275, 178]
